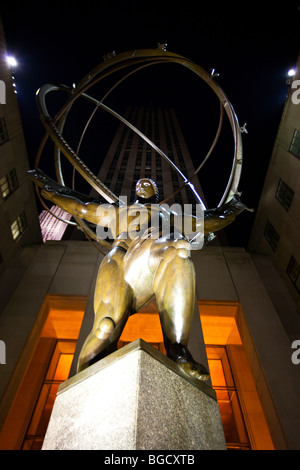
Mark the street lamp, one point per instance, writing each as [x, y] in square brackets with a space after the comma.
[11, 61]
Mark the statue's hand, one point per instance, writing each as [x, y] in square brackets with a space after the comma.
[38, 177]
[48, 193]
[49, 186]
[235, 206]
[44, 182]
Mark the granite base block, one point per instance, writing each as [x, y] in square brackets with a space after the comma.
[136, 398]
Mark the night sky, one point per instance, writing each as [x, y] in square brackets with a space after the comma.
[251, 47]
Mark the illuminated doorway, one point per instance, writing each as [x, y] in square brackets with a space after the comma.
[244, 423]
[57, 372]
[235, 432]
[52, 343]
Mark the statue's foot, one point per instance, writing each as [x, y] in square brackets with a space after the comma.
[194, 370]
[181, 355]
[94, 352]
[98, 344]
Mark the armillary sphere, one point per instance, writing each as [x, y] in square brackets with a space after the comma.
[135, 60]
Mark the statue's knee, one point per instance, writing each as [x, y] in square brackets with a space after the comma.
[105, 328]
[183, 248]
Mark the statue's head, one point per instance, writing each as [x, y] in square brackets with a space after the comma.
[146, 191]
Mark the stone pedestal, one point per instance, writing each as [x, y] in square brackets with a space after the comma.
[136, 398]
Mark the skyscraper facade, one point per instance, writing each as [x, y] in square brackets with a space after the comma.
[130, 157]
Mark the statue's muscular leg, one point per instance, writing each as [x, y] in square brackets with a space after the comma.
[112, 306]
[174, 287]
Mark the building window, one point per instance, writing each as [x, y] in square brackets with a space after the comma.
[235, 432]
[18, 226]
[293, 272]
[295, 144]
[9, 184]
[3, 131]
[58, 372]
[284, 194]
[27, 419]
[271, 235]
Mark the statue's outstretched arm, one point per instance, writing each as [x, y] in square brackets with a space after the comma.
[74, 206]
[71, 201]
[209, 221]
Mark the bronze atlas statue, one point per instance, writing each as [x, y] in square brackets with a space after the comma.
[148, 251]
